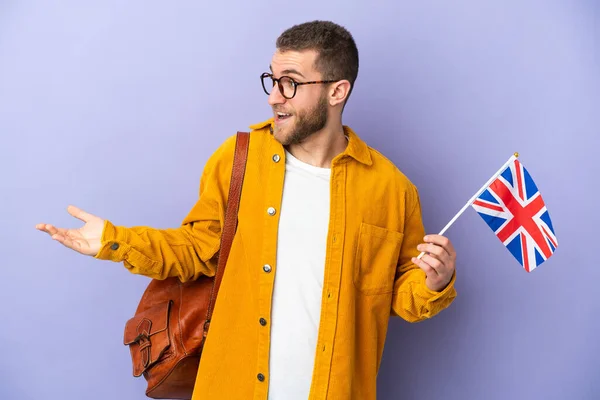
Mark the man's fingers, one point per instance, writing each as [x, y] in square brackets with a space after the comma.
[79, 213]
[60, 238]
[53, 230]
[67, 242]
[424, 264]
[75, 212]
[42, 227]
[434, 263]
[50, 229]
[441, 241]
[434, 249]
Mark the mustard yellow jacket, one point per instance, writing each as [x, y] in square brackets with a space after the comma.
[375, 225]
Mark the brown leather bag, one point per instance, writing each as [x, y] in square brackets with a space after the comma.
[167, 333]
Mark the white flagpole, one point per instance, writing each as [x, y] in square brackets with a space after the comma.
[511, 159]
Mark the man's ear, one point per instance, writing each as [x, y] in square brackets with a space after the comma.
[339, 92]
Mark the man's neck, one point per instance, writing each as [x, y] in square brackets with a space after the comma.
[320, 148]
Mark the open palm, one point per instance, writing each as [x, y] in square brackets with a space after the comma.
[85, 240]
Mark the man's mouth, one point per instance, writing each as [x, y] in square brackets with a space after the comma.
[280, 116]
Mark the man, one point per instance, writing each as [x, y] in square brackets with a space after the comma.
[326, 247]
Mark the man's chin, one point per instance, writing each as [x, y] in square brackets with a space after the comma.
[282, 136]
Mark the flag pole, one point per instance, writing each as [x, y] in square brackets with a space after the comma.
[511, 159]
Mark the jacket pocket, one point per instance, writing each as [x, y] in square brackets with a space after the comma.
[376, 259]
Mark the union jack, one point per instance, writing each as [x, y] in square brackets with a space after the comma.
[513, 208]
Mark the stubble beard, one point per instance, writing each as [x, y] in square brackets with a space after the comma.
[307, 123]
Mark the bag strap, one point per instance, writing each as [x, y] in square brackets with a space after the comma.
[231, 216]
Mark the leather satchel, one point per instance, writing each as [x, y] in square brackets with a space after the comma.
[168, 331]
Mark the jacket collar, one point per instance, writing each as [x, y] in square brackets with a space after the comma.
[356, 148]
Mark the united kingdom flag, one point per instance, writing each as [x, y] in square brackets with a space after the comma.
[513, 208]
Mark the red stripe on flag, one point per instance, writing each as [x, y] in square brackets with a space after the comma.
[524, 249]
[519, 179]
[550, 237]
[487, 205]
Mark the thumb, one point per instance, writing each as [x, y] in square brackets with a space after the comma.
[79, 214]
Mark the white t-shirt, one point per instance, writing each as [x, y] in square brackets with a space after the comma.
[296, 309]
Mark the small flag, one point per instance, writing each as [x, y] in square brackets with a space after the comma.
[513, 208]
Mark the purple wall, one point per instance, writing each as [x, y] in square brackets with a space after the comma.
[116, 106]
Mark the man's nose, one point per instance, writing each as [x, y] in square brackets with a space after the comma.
[276, 97]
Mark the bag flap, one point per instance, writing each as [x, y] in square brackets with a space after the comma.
[147, 335]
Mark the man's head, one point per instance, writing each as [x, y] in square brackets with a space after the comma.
[321, 59]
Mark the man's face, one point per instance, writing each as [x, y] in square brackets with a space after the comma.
[306, 113]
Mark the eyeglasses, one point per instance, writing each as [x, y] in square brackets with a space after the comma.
[287, 86]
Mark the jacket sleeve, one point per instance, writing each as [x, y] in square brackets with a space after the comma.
[187, 251]
[412, 299]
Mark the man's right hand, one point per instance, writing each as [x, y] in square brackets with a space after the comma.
[84, 240]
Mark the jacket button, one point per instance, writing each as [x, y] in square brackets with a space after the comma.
[114, 246]
[276, 158]
[261, 377]
[271, 211]
[267, 268]
[263, 321]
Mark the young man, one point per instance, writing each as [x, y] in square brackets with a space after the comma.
[326, 247]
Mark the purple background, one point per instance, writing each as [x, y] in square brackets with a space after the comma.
[115, 107]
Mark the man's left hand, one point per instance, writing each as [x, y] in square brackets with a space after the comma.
[438, 261]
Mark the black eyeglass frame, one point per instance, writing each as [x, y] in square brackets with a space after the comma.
[294, 83]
